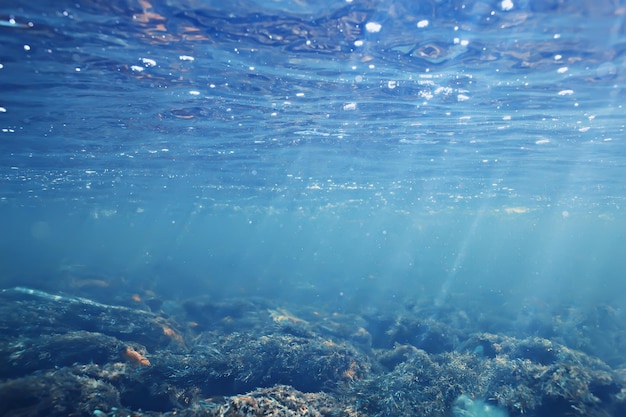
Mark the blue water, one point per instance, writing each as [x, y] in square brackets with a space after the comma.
[348, 153]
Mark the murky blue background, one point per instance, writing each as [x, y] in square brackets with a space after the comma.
[351, 153]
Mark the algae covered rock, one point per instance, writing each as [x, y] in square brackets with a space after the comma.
[64, 355]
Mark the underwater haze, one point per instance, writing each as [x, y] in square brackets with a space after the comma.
[357, 154]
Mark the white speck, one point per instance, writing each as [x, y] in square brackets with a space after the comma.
[186, 58]
[3, 110]
[90, 171]
[77, 69]
[565, 214]
[507, 117]
[558, 57]
[1, 66]
[137, 68]
[542, 141]
[349, 106]
[27, 47]
[358, 43]
[211, 85]
[566, 92]
[299, 94]
[425, 94]
[148, 62]
[392, 84]
[562, 70]
[584, 129]
[251, 68]
[462, 97]
[140, 210]
[557, 35]
[506, 5]
[422, 24]
[194, 93]
[373, 27]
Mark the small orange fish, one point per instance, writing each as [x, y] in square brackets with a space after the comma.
[136, 357]
[169, 332]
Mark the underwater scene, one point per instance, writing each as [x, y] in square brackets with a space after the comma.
[329, 208]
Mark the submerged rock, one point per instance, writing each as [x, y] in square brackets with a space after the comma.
[63, 355]
[464, 406]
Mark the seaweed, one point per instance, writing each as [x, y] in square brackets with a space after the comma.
[253, 358]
